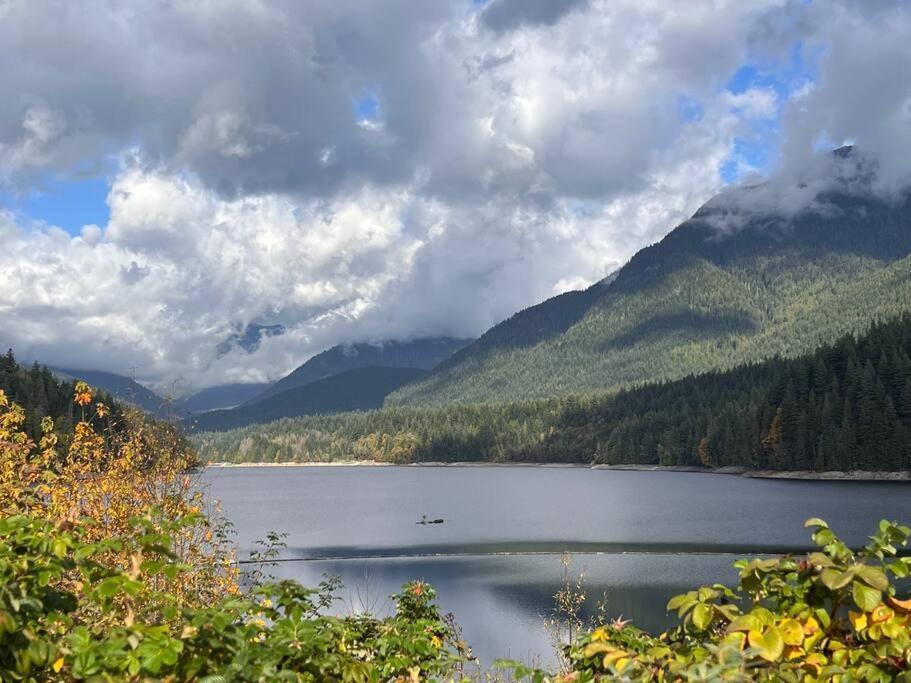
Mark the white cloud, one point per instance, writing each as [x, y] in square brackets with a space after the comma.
[521, 150]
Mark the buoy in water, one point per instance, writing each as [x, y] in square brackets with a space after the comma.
[424, 520]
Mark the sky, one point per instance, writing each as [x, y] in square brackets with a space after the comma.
[177, 173]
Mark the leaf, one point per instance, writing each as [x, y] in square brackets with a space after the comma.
[865, 597]
[900, 605]
[823, 617]
[745, 622]
[900, 569]
[810, 626]
[678, 601]
[881, 613]
[593, 649]
[815, 521]
[873, 576]
[834, 579]
[769, 645]
[110, 586]
[858, 620]
[702, 616]
[791, 632]
[820, 559]
[705, 593]
[766, 618]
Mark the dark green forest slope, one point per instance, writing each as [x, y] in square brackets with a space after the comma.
[846, 406]
[699, 300]
[41, 393]
[358, 389]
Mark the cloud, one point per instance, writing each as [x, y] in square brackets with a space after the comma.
[362, 171]
[372, 265]
[507, 15]
[863, 93]
[806, 187]
[861, 98]
[134, 273]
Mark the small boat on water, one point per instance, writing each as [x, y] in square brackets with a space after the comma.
[424, 520]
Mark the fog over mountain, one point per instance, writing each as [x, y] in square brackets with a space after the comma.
[345, 172]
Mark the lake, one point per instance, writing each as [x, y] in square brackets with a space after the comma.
[639, 537]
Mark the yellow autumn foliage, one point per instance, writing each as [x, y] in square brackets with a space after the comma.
[138, 468]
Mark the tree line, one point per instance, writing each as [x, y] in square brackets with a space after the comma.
[40, 393]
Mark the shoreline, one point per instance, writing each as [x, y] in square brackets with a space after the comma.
[798, 475]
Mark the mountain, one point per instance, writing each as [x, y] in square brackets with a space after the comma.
[534, 324]
[357, 389]
[418, 353]
[847, 406]
[220, 397]
[739, 282]
[120, 387]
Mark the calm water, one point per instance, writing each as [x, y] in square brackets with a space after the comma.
[640, 537]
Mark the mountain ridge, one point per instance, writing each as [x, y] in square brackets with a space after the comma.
[120, 387]
[423, 353]
[356, 389]
[700, 300]
[219, 397]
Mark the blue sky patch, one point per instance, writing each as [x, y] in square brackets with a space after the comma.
[367, 107]
[757, 147]
[68, 204]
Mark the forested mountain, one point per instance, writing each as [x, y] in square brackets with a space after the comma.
[535, 324]
[418, 353]
[219, 397]
[118, 386]
[357, 389]
[41, 393]
[846, 406]
[726, 287]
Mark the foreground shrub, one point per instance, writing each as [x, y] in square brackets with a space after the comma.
[110, 570]
[138, 467]
[832, 615]
[276, 632]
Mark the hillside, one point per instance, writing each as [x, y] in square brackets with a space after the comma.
[535, 324]
[358, 389]
[118, 386]
[846, 406]
[219, 397]
[424, 354]
[699, 300]
[41, 393]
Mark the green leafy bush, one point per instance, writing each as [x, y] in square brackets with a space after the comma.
[125, 629]
[832, 615]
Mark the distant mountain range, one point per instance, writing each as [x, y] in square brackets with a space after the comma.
[424, 354]
[345, 377]
[220, 397]
[228, 405]
[735, 284]
[118, 386]
[357, 389]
